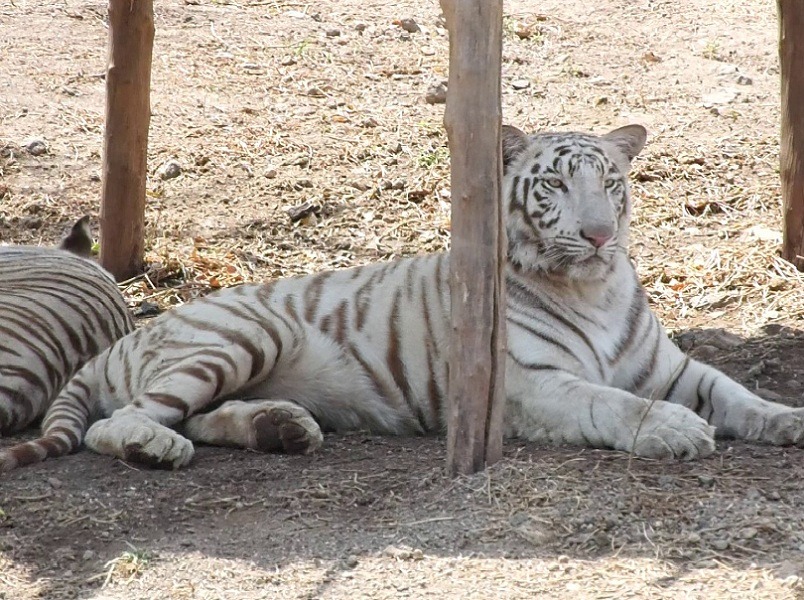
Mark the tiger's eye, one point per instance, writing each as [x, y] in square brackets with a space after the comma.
[610, 183]
[554, 182]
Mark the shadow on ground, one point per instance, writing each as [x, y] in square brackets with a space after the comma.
[316, 520]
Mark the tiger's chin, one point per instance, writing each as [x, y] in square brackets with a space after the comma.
[593, 268]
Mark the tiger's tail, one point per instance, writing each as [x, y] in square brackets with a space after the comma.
[64, 425]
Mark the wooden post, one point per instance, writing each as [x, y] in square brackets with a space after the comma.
[791, 61]
[477, 343]
[125, 144]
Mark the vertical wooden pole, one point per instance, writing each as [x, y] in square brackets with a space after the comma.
[477, 344]
[125, 144]
[791, 61]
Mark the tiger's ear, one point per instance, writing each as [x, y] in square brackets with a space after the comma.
[79, 240]
[629, 139]
[514, 141]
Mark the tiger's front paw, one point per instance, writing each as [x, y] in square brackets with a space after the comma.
[137, 438]
[784, 428]
[673, 431]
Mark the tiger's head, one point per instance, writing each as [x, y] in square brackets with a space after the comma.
[567, 200]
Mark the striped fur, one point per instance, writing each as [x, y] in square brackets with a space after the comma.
[57, 310]
[271, 366]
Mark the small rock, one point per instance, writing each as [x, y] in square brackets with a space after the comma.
[147, 309]
[409, 25]
[287, 61]
[370, 122]
[720, 544]
[722, 339]
[748, 533]
[706, 480]
[169, 170]
[302, 184]
[271, 174]
[399, 553]
[358, 185]
[428, 50]
[650, 57]
[360, 27]
[35, 146]
[769, 395]
[706, 352]
[333, 33]
[693, 537]
[436, 94]
[723, 96]
[299, 212]
[404, 36]
[54, 483]
[88, 555]
[520, 84]
[352, 561]
[707, 563]
[744, 80]
[296, 14]
[727, 69]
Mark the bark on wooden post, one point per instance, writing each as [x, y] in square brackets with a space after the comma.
[791, 61]
[125, 144]
[473, 120]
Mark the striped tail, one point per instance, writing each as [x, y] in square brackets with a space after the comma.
[63, 428]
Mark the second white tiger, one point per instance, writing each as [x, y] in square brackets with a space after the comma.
[270, 366]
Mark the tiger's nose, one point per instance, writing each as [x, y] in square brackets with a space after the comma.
[597, 236]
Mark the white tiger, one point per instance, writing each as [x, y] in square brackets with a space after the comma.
[270, 366]
[57, 310]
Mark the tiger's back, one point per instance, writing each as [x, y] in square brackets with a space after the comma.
[58, 311]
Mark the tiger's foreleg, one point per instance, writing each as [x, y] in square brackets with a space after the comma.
[732, 409]
[262, 425]
[558, 407]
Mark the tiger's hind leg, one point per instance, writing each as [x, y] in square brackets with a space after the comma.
[262, 425]
[20, 405]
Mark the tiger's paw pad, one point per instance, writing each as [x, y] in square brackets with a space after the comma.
[283, 428]
[141, 440]
[672, 431]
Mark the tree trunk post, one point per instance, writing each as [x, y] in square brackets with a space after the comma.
[125, 144]
[791, 61]
[477, 342]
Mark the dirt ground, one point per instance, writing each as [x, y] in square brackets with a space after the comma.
[266, 105]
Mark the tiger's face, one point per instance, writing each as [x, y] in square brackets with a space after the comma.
[567, 200]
